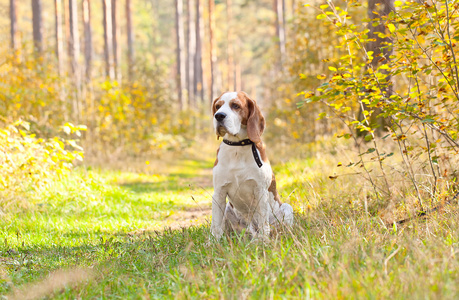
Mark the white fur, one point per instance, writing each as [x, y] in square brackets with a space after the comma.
[238, 177]
[232, 122]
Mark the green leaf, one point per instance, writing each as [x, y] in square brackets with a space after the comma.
[428, 120]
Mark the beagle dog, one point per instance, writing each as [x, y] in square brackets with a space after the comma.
[242, 172]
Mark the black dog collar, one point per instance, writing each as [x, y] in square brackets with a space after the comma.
[239, 143]
[247, 142]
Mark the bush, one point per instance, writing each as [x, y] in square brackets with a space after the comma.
[28, 163]
[413, 87]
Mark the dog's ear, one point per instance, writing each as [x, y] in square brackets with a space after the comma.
[255, 121]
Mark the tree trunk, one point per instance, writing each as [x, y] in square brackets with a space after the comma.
[198, 74]
[237, 68]
[115, 39]
[378, 10]
[74, 46]
[108, 43]
[37, 26]
[190, 52]
[14, 25]
[130, 39]
[74, 42]
[59, 37]
[212, 49]
[179, 51]
[87, 38]
[280, 31]
[229, 47]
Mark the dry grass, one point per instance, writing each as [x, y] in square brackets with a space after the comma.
[343, 245]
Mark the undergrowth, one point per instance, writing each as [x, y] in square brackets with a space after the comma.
[29, 163]
[104, 234]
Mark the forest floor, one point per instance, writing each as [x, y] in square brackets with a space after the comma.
[139, 235]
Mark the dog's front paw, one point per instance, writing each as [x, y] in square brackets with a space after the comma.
[217, 232]
[260, 239]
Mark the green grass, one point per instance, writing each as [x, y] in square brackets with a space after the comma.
[100, 234]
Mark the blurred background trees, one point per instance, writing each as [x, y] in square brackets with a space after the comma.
[110, 65]
[141, 74]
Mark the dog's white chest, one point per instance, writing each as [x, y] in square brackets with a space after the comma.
[242, 179]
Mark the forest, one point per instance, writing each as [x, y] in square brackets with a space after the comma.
[107, 147]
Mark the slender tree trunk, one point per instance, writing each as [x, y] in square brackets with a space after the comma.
[37, 26]
[198, 74]
[130, 39]
[108, 43]
[229, 46]
[190, 52]
[59, 37]
[14, 25]
[237, 68]
[87, 38]
[179, 51]
[212, 49]
[74, 42]
[74, 46]
[115, 39]
[280, 31]
[378, 10]
[67, 25]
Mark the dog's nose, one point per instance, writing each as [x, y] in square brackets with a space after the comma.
[220, 116]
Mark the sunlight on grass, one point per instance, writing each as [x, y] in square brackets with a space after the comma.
[112, 223]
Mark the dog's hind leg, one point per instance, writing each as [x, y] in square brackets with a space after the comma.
[233, 222]
[287, 212]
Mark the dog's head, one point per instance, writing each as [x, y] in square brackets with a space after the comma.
[236, 114]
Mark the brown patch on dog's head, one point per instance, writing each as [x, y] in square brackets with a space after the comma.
[217, 102]
[252, 117]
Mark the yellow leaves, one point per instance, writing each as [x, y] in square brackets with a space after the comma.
[398, 3]
[32, 161]
[321, 16]
[321, 76]
[400, 137]
[391, 27]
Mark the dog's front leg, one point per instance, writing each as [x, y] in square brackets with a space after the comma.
[218, 212]
[261, 219]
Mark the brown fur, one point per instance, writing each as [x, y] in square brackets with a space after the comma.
[262, 149]
[251, 116]
[255, 120]
[273, 189]
[216, 159]
[214, 104]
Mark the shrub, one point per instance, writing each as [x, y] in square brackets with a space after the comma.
[413, 87]
[28, 163]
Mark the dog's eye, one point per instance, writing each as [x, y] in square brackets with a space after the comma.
[218, 106]
[235, 106]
